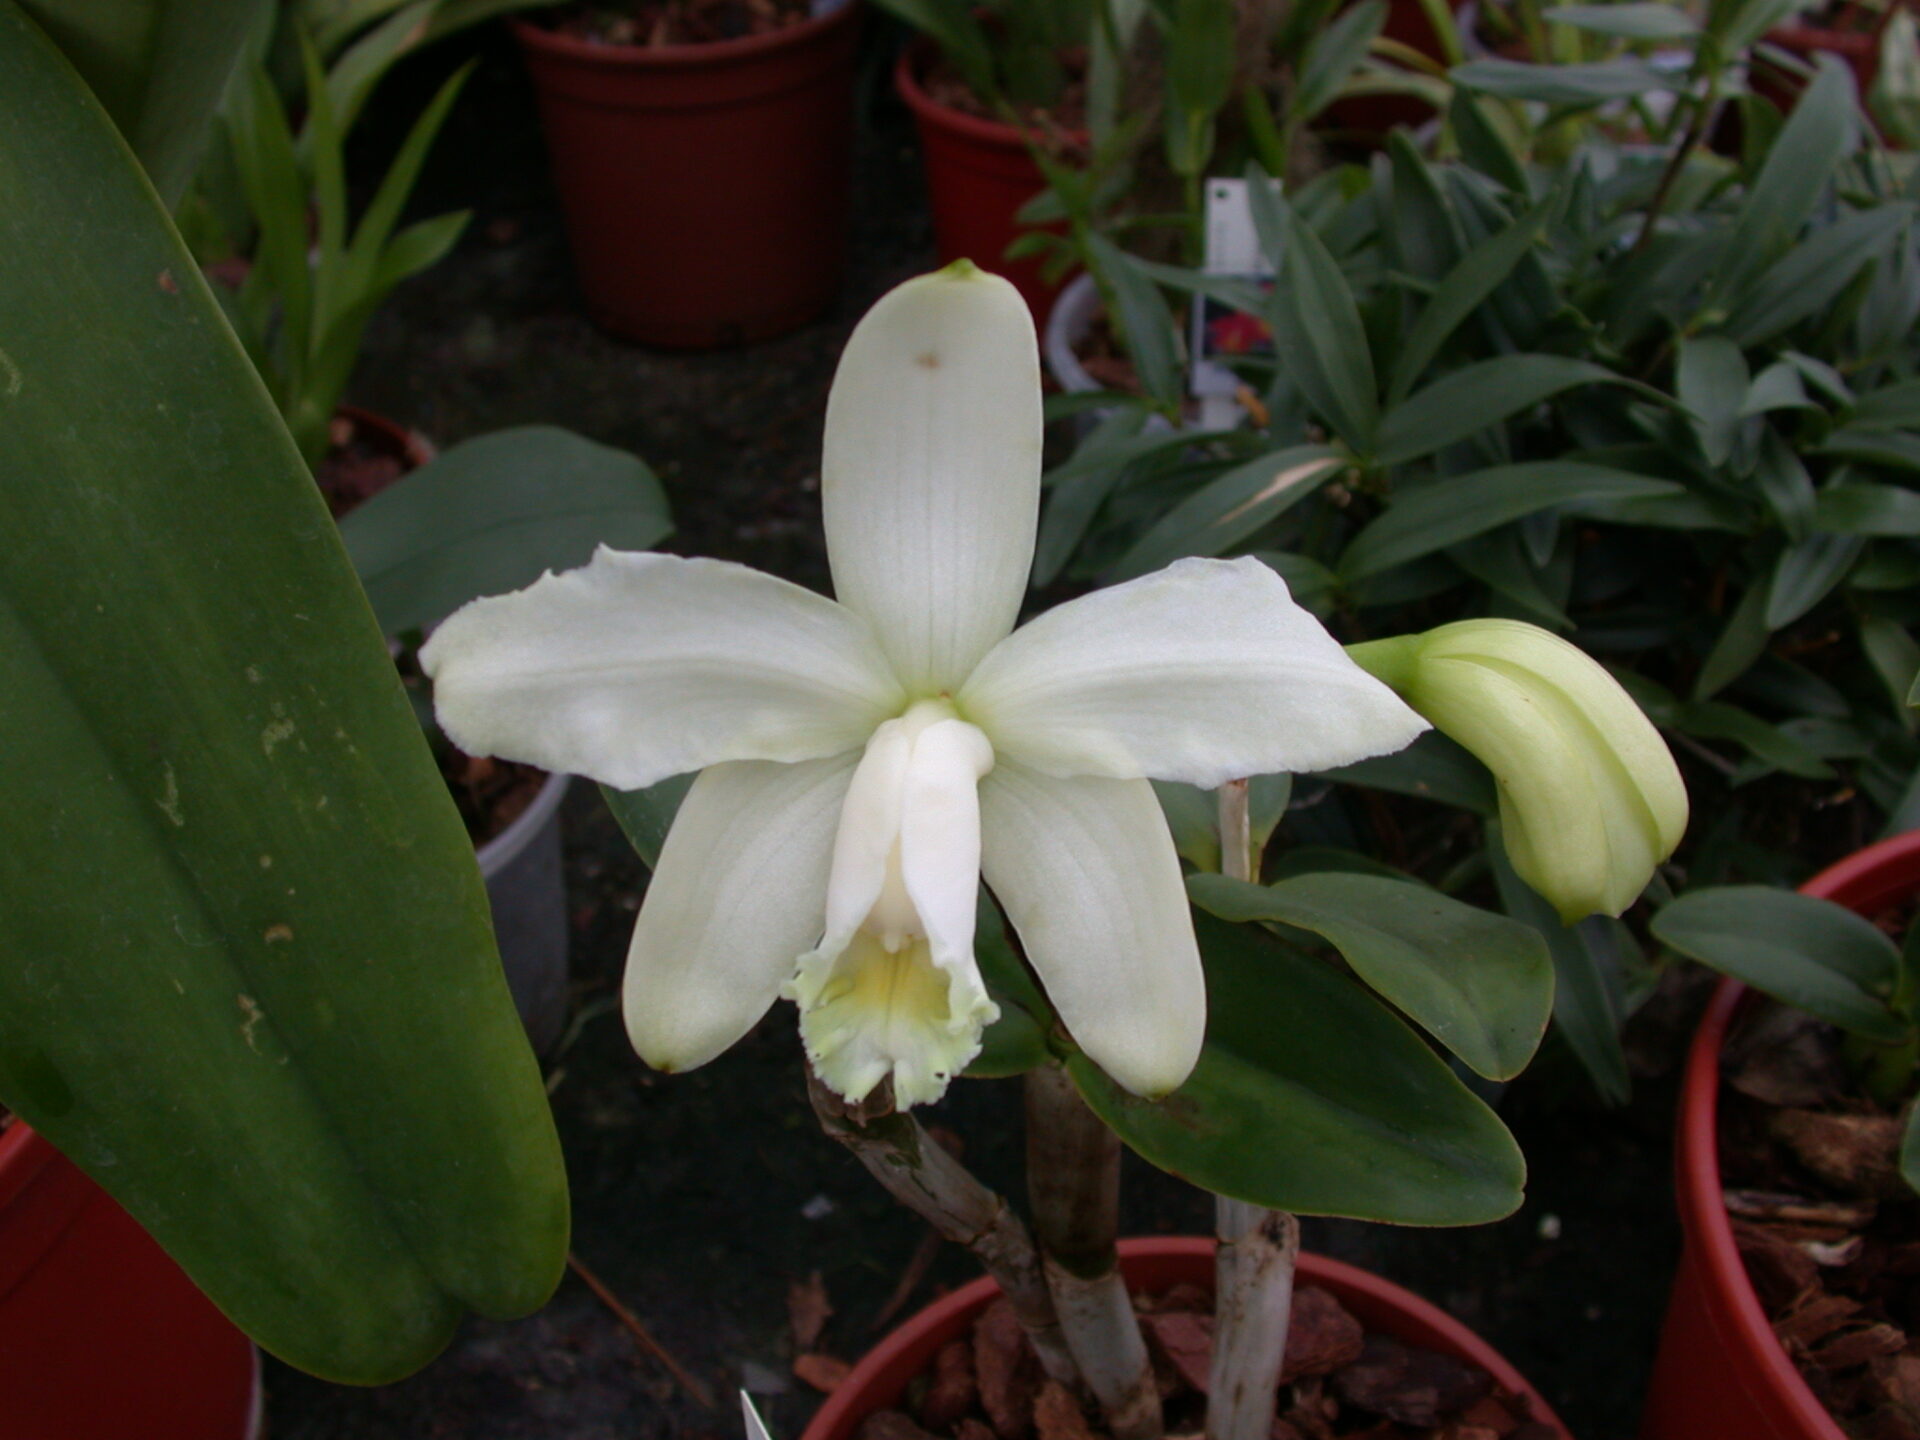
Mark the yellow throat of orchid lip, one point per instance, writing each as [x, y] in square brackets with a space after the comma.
[893, 989]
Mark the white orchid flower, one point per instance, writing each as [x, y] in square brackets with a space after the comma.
[865, 761]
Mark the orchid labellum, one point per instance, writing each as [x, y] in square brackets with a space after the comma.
[865, 761]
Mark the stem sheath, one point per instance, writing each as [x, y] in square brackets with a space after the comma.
[921, 1175]
[1253, 1267]
[1073, 1183]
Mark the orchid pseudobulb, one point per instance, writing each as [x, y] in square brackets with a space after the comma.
[865, 762]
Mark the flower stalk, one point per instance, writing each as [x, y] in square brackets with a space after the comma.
[1073, 1186]
[921, 1175]
[1257, 1248]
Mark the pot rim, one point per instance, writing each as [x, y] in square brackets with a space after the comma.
[950, 1311]
[906, 83]
[681, 57]
[503, 849]
[1865, 880]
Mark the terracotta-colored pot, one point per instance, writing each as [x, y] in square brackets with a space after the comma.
[1159, 1263]
[705, 187]
[101, 1335]
[979, 174]
[1720, 1373]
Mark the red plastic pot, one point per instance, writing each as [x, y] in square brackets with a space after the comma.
[1158, 1263]
[705, 187]
[979, 174]
[1720, 1373]
[101, 1335]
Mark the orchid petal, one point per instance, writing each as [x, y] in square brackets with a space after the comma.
[1087, 874]
[641, 666]
[930, 481]
[736, 897]
[1203, 672]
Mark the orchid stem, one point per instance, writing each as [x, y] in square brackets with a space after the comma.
[921, 1175]
[1253, 1266]
[1073, 1185]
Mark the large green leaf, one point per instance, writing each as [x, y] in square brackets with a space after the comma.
[1810, 953]
[491, 514]
[1429, 519]
[1311, 1097]
[1479, 983]
[159, 67]
[249, 982]
[1593, 83]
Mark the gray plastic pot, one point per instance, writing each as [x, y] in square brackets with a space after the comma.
[528, 895]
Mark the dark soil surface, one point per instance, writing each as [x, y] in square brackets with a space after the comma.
[701, 1199]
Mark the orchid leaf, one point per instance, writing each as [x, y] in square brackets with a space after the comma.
[254, 992]
[1809, 953]
[492, 514]
[1479, 983]
[1311, 1097]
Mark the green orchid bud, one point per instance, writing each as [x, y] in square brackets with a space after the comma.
[1590, 798]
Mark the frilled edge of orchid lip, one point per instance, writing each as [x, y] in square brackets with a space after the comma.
[867, 1013]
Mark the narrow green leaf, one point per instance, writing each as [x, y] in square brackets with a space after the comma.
[1895, 657]
[1480, 272]
[1586, 1001]
[1479, 983]
[1017, 1041]
[1874, 445]
[1575, 86]
[1193, 815]
[1318, 333]
[279, 1034]
[1812, 954]
[1805, 282]
[1635, 20]
[475, 521]
[1819, 134]
[1766, 742]
[1910, 1149]
[1310, 1097]
[1786, 486]
[1438, 515]
[1806, 573]
[1741, 642]
[1230, 507]
[1333, 56]
[1432, 768]
[1481, 395]
[1482, 145]
[1712, 380]
[1145, 321]
[1891, 407]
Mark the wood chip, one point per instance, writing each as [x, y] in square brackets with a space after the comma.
[823, 1372]
[1057, 1415]
[1813, 1320]
[1006, 1370]
[1857, 1347]
[1858, 1154]
[1795, 1209]
[890, 1425]
[951, 1392]
[1781, 1271]
[1185, 1339]
[1322, 1336]
[807, 1311]
[1407, 1384]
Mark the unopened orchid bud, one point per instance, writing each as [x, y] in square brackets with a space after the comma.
[1590, 798]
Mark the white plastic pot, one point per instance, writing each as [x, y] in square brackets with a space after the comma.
[528, 895]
